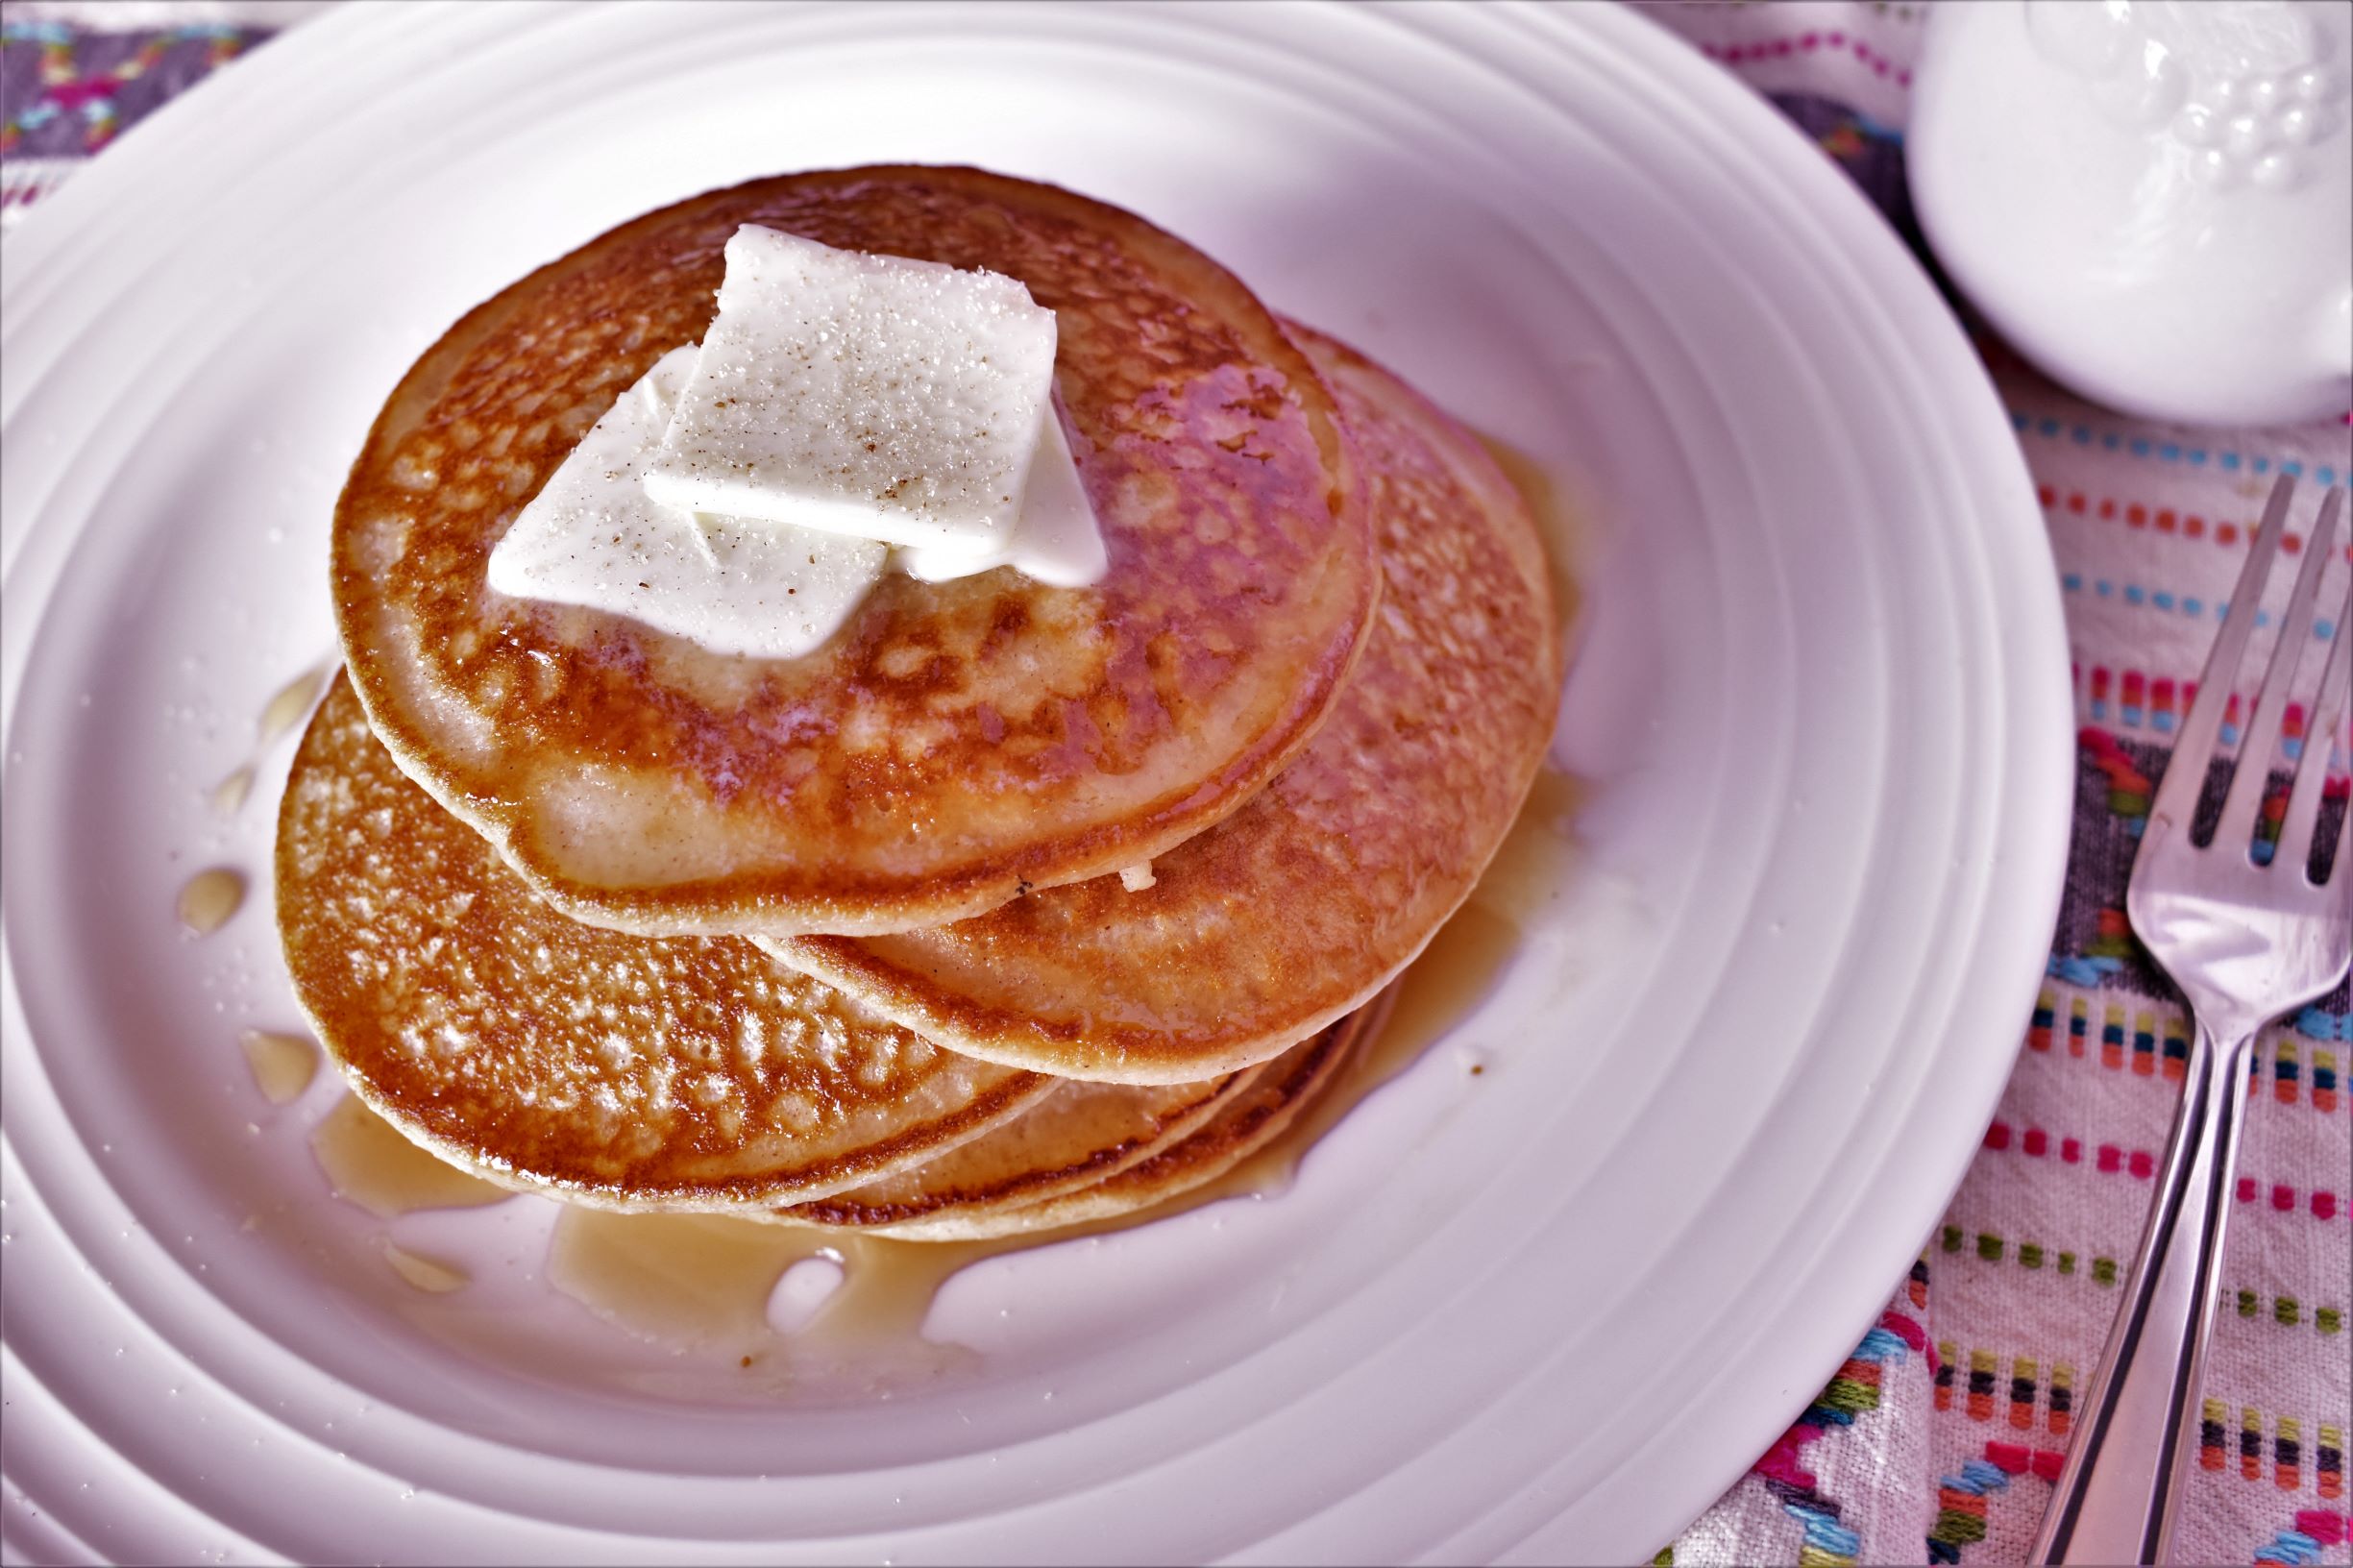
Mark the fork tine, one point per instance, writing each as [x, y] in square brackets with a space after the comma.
[2185, 775]
[2295, 829]
[2237, 829]
[2342, 867]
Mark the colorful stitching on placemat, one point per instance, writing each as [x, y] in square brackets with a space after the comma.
[1961, 1506]
[2227, 532]
[2301, 1542]
[1992, 1249]
[65, 90]
[1854, 1390]
[2286, 1450]
[2158, 1044]
[1807, 43]
[2161, 450]
[2287, 1311]
[2322, 1203]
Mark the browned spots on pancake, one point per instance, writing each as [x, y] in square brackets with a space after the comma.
[545, 1052]
[1118, 719]
[1304, 902]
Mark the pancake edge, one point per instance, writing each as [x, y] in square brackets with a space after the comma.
[683, 908]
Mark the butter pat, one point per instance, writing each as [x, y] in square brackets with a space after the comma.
[865, 394]
[594, 537]
[1055, 540]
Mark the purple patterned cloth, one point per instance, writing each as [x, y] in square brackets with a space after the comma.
[66, 91]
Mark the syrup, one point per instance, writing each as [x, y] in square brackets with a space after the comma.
[285, 709]
[707, 1279]
[371, 1164]
[283, 1064]
[229, 794]
[1564, 528]
[429, 1275]
[209, 899]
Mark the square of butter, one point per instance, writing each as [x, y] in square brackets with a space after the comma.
[869, 394]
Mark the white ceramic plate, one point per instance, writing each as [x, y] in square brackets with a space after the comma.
[1549, 1311]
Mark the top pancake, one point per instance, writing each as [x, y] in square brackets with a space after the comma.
[687, 1074]
[1304, 903]
[955, 743]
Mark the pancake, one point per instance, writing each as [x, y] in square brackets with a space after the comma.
[547, 1055]
[955, 743]
[1078, 1136]
[1300, 906]
[1244, 1124]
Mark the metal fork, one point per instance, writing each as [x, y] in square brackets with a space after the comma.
[2246, 942]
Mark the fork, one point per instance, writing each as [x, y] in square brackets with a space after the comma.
[2247, 941]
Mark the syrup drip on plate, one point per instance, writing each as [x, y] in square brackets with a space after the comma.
[292, 701]
[1566, 530]
[209, 899]
[285, 710]
[283, 1064]
[229, 794]
[374, 1166]
[712, 1281]
[429, 1275]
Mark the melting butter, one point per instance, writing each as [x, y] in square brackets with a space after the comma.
[594, 537]
[370, 1164]
[874, 396]
[845, 414]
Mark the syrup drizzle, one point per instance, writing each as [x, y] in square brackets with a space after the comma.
[209, 899]
[371, 1164]
[229, 794]
[283, 1064]
[431, 1275]
[285, 710]
[707, 1280]
[292, 701]
[1564, 526]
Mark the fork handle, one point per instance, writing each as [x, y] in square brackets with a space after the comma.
[2117, 1495]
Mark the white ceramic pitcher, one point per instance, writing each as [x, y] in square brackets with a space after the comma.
[2151, 199]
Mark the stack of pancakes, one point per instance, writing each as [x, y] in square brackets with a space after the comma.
[1013, 906]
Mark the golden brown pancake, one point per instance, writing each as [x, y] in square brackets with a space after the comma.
[620, 1071]
[1245, 1123]
[955, 743]
[1078, 1136]
[1300, 906]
